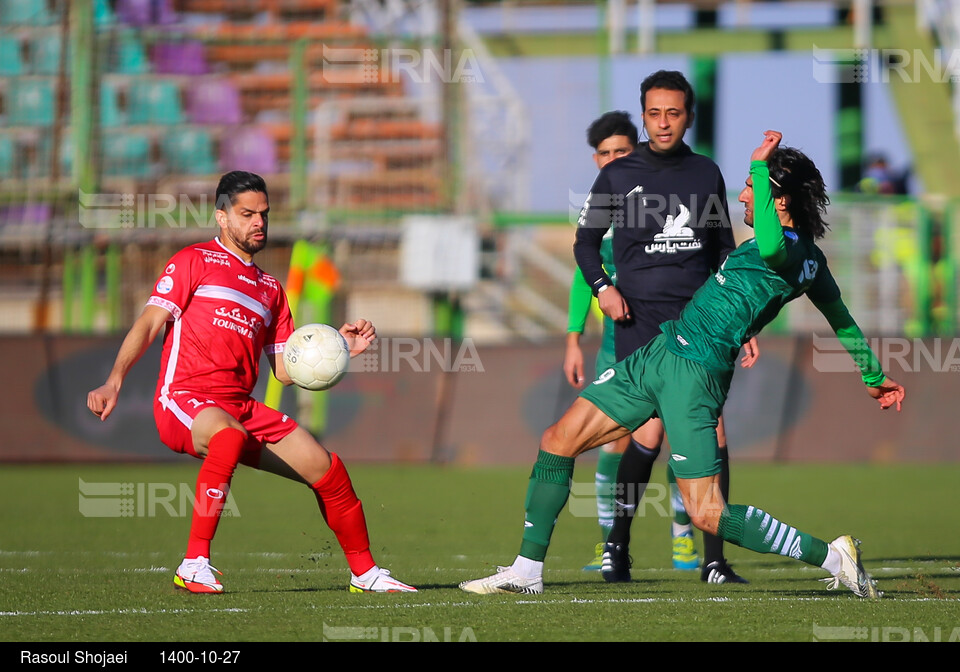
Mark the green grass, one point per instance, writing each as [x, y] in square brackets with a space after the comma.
[67, 577]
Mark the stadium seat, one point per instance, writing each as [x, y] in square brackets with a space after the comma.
[110, 113]
[180, 58]
[31, 102]
[214, 102]
[131, 57]
[250, 148]
[189, 151]
[126, 155]
[45, 54]
[25, 12]
[145, 12]
[8, 154]
[11, 60]
[152, 101]
[102, 13]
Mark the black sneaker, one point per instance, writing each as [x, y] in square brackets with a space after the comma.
[719, 571]
[616, 563]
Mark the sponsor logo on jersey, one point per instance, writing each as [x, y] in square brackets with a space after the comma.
[681, 340]
[170, 268]
[214, 493]
[165, 285]
[792, 235]
[242, 278]
[268, 280]
[215, 257]
[636, 191]
[235, 314]
[676, 235]
[677, 458]
[527, 523]
[605, 376]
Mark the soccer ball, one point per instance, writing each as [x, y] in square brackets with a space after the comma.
[316, 356]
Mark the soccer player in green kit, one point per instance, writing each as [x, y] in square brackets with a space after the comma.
[684, 374]
[612, 135]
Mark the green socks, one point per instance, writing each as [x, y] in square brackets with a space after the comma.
[753, 528]
[606, 483]
[547, 494]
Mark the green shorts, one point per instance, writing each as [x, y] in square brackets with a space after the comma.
[654, 382]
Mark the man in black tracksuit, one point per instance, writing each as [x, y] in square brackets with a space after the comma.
[668, 207]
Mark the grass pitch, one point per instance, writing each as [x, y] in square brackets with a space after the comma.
[87, 554]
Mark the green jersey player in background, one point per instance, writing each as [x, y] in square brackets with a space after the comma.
[611, 136]
[683, 376]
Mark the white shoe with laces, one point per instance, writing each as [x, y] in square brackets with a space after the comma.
[852, 574]
[196, 575]
[380, 582]
[504, 581]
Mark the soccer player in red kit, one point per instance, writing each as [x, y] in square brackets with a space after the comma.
[219, 312]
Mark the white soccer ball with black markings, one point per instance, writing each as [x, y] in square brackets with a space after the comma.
[316, 356]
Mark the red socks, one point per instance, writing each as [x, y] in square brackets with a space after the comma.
[344, 515]
[213, 485]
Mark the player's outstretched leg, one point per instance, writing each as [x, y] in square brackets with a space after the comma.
[547, 493]
[754, 529]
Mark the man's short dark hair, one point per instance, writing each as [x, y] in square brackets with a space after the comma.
[235, 183]
[610, 124]
[672, 80]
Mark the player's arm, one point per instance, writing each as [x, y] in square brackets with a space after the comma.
[766, 224]
[595, 217]
[145, 329]
[886, 391]
[578, 309]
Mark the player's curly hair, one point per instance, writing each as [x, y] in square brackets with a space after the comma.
[610, 124]
[794, 174]
[237, 182]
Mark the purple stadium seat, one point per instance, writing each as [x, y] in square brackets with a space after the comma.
[26, 213]
[180, 58]
[251, 149]
[145, 12]
[214, 102]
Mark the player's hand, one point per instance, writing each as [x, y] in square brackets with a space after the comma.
[890, 392]
[359, 335]
[771, 140]
[613, 304]
[573, 364]
[751, 352]
[103, 400]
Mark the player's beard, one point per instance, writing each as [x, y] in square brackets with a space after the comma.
[251, 247]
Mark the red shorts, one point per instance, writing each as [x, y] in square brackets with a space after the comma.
[175, 418]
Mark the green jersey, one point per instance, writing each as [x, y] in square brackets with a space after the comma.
[748, 291]
[581, 295]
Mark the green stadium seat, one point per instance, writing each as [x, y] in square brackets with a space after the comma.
[8, 154]
[131, 57]
[31, 102]
[154, 101]
[126, 155]
[45, 54]
[102, 13]
[25, 13]
[189, 151]
[11, 60]
[110, 113]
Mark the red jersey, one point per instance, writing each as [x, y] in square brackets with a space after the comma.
[223, 313]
